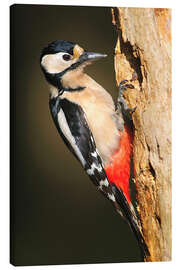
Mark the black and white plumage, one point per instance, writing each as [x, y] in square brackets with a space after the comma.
[84, 115]
[71, 123]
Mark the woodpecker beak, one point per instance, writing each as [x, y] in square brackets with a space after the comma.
[90, 56]
[83, 56]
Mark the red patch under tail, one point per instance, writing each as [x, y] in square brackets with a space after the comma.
[118, 172]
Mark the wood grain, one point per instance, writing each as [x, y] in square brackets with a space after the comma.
[143, 55]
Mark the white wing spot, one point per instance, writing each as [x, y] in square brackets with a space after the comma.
[94, 154]
[93, 167]
[111, 197]
[104, 183]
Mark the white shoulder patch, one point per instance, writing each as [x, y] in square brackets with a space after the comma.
[67, 133]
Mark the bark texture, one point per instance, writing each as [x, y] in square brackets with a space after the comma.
[143, 55]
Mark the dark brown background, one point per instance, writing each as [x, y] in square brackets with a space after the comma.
[57, 215]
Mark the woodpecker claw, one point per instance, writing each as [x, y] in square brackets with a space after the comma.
[133, 109]
[122, 104]
[123, 86]
[123, 82]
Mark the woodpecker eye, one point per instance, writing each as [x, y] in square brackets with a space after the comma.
[66, 57]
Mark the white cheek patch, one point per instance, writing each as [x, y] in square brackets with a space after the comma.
[54, 63]
[67, 133]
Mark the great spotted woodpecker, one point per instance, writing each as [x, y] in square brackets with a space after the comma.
[95, 132]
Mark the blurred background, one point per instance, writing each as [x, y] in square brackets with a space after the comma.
[57, 215]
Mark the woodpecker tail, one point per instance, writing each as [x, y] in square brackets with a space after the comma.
[126, 209]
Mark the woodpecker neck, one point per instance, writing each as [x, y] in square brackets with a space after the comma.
[57, 80]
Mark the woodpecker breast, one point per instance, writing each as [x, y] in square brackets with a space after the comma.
[99, 110]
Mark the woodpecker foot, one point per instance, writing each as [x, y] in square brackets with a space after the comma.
[123, 86]
[122, 104]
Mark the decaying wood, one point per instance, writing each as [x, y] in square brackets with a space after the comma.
[143, 53]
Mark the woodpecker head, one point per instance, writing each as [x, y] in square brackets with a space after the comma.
[61, 57]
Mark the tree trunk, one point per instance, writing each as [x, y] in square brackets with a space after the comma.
[143, 55]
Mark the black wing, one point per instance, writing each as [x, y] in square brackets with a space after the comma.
[71, 123]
